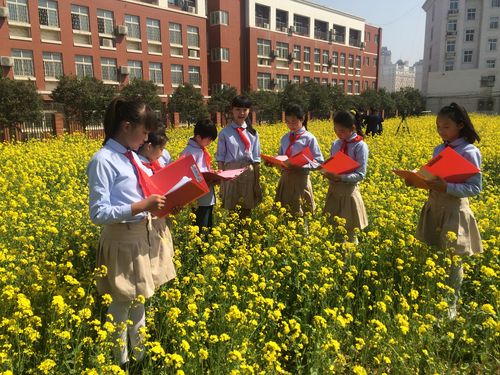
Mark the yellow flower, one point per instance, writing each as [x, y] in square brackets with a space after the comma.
[46, 366]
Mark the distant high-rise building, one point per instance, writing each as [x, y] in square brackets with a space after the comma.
[462, 54]
[394, 76]
[418, 67]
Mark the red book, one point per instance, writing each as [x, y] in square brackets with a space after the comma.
[451, 166]
[181, 182]
[218, 176]
[300, 159]
[340, 163]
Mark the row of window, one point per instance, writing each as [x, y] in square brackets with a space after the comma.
[48, 16]
[266, 82]
[469, 37]
[300, 53]
[84, 67]
[452, 24]
[449, 64]
[454, 4]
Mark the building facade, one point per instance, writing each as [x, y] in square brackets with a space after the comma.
[247, 44]
[394, 76]
[462, 54]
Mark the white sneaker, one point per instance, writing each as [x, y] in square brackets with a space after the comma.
[452, 312]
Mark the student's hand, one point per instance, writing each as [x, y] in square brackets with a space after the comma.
[438, 184]
[154, 202]
[332, 176]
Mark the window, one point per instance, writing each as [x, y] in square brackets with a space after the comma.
[155, 73]
[467, 56]
[263, 47]
[109, 71]
[296, 52]
[471, 14]
[493, 22]
[317, 56]
[452, 26]
[47, 13]
[342, 59]
[153, 30]
[18, 10]
[80, 18]
[219, 54]
[335, 58]
[357, 88]
[23, 63]
[105, 22]
[133, 26]
[135, 69]
[449, 65]
[492, 44]
[487, 81]
[175, 31]
[349, 86]
[495, 3]
[324, 81]
[177, 74]
[453, 4]
[52, 65]
[307, 54]
[281, 81]
[469, 35]
[219, 17]
[193, 37]
[358, 62]
[490, 63]
[296, 79]
[450, 46]
[194, 75]
[264, 81]
[367, 61]
[83, 66]
[282, 50]
[325, 57]
[351, 61]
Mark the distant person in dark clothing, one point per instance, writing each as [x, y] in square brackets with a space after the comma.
[358, 120]
[373, 123]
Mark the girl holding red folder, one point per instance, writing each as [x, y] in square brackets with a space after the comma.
[294, 188]
[238, 147]
[447, 209]
[134, 249]
[343, 198]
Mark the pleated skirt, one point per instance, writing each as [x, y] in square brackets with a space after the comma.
[344, 200]
[241, 190]
[295, 192]
[138, 257]
[443, 213]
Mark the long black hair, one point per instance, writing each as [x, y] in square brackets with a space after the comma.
[242, 101]
[346, 120]
[459, 115]
[134, 111]
[297, 111]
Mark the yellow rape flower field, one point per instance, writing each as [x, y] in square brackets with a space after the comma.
[260, 297]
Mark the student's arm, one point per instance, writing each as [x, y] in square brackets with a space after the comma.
[473, 185]
[361, 156]
[220, 154]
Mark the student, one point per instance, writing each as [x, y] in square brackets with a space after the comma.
[165, 157]
[152, 150]
[239, 146]
[205, 132]
[133, 247]
[343, 198]
[294, 188]
[373, 123]
[447, 208]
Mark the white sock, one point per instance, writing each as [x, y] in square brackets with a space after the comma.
[119, 311]
[137, 315]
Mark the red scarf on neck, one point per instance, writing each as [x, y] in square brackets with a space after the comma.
[356, 139]
[243, 138]
[292, 138]
[142, 177]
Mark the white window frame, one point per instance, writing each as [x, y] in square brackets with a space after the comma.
[281, 81]
[109, 71]
[18, 11]
[176, 72]
[193, 36]
[50, 7]
[492, 44]
[52, 65]
[469, 35]
[133, 24]
[153, 30]
[82, 13]
[108, 21]
[135, 67]
[282, 50]
[490, 63]
[263, 81]
[156, 72]
[219, 54]
[23, 63]
[263, 47]
[194, 75]
[175, 33]
[84, 66]
[471, 14]
[467, 56]
[494, 22]
[219, 17]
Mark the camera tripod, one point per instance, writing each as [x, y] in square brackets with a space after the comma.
[403, 125]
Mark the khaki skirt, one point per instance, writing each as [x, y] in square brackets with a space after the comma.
[241, 190]
[344, 200]
[443, 213]
[295, 191]
[138, 259]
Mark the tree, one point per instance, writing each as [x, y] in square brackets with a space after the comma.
[416, 102]
[188, 101]
[221, 99]
[84, 99]
[20, 103]
[293, 93]
[266, 104]
[319, 99]
[147, 91]
[339, 101]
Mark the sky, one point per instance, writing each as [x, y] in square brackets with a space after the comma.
[402, 22]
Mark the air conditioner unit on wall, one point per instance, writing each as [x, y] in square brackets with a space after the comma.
[291, 30]
[108, 43]
[122, 30]
[265, 25]
[4, 12]
[191, 9]
[124, 70]
[6, 61]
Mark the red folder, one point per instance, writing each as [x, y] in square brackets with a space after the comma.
[218, 176]
[183, 175]
[340, 163]
[298, 160]
[413, 177]
[451, 166]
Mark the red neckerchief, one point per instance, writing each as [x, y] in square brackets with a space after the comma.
[142, 177]
[356, 139]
